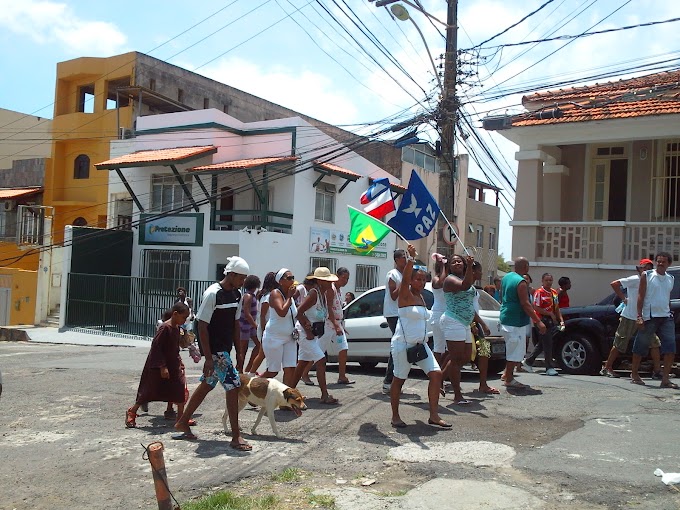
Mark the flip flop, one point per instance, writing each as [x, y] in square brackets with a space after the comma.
[490, 391]
[514, 383]
[669, 385]
[191, 422]
[442, 392]
[639, 382]
[309, 383]
[346, 381]
[463, 402]
[440, 423]
[241, 447]
[185, 436]
[399, 425]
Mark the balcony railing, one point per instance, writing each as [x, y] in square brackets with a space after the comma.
[232, 219]
[569, 241]
[645, 239]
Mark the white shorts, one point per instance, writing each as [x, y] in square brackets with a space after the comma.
[437, 333]
[401, 365]
[279, 352]
[454, 330]
[309, 350]
[332, 344]
[515, 342]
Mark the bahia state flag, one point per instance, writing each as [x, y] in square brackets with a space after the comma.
[377, 199]
[418, 211]
[365, 232]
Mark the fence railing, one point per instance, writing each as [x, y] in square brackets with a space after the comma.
[562, 241]
[233, 219]
[642, 240]
[124, 304]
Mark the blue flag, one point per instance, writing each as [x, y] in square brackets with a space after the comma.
[418, 211]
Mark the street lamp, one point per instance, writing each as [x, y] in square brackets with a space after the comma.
[402, 14]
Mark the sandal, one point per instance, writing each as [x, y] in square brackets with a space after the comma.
[130, 417]
[669, 385]
[329, 400]
[514, 383]
[639, 382]
[490, 390]
[241, 447]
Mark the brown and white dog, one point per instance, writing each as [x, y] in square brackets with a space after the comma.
[268, 394]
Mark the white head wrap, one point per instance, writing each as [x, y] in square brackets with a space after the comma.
[236, 265]
[280, 274]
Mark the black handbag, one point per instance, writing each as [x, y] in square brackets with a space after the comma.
[416, 353]
[318, 328]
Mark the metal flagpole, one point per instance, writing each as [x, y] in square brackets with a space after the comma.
[454, 232]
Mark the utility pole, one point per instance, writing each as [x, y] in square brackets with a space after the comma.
[449, 115]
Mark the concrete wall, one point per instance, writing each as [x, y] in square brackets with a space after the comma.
[24, 137]
[266, 251]
[23, 173]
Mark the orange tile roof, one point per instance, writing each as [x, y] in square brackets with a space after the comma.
[7, 193]
[243, 164]
[337, 170]
[655, 94]
[150, 157]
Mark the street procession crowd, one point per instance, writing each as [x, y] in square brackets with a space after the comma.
[293, 326]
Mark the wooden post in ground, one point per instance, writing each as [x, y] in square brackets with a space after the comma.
[160, 478]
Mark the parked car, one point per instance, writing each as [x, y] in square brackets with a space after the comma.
[589, 333]
[369, 336]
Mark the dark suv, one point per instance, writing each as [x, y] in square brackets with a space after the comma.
[589, 334]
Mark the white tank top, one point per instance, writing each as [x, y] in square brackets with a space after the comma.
[277, 325]
[439, 305]
[412, 326]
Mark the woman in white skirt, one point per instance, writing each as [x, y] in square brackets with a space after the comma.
[312, 315]
[279, 337]
[412, 330]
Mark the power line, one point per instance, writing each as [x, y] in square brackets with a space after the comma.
[513, 25]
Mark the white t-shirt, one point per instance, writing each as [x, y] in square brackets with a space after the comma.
[631, 284]
[475, 301]
[658, 295]
[390, 306]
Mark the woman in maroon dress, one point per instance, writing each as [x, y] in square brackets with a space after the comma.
[163, 377]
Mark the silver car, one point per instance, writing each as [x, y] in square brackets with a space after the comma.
[369, 336]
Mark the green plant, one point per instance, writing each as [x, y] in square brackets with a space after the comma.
[322, 500]
[225, 500]
[287, 475]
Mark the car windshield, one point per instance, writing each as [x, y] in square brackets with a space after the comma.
[370, 304]
[486, 302]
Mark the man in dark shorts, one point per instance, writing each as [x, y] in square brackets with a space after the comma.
[218, 327]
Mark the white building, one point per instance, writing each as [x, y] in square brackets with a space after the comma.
[273, 192]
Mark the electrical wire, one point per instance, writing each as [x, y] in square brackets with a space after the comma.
[514, 24]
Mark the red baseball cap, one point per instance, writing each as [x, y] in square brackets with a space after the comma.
[644, 262]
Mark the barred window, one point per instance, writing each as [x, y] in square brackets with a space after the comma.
[331, 264]
[367, 277]
[166, 269]
[167, 194]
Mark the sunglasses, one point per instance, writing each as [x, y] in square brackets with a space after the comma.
[420, 268]
[291, 277]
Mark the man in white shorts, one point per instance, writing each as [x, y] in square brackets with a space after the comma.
[516, 313]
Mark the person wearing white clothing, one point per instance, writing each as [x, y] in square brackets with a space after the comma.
[279, 337]
[627, 327]
[334, 341]
[411, 331]
[390, 307]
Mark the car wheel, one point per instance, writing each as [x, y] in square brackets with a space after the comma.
[367, 365]
[576, 355]
[496, 366]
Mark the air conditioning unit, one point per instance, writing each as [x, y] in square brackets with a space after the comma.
[9, 205]
[125, 133]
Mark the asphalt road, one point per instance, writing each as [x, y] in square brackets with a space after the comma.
[573, 441]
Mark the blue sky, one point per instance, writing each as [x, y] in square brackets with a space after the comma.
[306, 62]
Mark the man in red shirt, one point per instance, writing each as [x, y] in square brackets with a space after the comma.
[546, 305]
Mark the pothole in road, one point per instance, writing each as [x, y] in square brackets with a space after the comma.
[475, 453]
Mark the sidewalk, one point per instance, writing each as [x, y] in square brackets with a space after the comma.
[49, 335]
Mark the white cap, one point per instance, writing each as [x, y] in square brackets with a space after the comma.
[236, 265]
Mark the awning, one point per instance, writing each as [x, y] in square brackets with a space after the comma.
[243, 164]
[157, 157]
[11, 193]
[330, 169]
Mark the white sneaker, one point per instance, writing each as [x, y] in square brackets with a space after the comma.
[386, 389]
[527, 367]
[551, 371]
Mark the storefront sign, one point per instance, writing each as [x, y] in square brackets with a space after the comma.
[176, 230]
[330, 241]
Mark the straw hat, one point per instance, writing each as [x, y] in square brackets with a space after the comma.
[323, 273]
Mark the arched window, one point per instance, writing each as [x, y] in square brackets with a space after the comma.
[81, 167]
[80, 221]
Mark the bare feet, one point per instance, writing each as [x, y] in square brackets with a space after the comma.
[240, 444]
